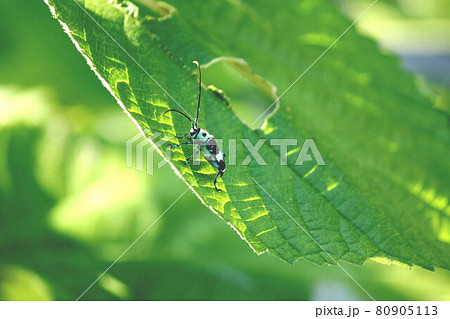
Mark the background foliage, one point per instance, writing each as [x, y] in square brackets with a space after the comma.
[65, 215]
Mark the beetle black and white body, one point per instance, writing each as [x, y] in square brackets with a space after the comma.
[204, 141]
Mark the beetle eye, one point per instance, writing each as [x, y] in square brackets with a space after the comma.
[204, 134]
[192, 133]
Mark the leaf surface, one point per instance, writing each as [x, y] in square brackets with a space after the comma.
[383, 191]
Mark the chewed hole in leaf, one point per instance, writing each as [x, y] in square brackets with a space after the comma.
[250, 94]
[157, 9]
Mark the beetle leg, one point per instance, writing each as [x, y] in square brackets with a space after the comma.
[197, 149]
[219, 174]
[177, 145]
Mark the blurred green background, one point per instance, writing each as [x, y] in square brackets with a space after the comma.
[69, 206]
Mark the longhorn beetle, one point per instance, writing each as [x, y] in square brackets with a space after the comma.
[204, 141]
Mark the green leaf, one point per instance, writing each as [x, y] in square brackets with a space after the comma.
[383, 191]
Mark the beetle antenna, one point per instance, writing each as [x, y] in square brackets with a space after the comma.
[199, 92]
[173, 110]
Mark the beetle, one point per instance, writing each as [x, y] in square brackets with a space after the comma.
[200, 137]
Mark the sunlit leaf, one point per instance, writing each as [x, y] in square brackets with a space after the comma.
[383, 191]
